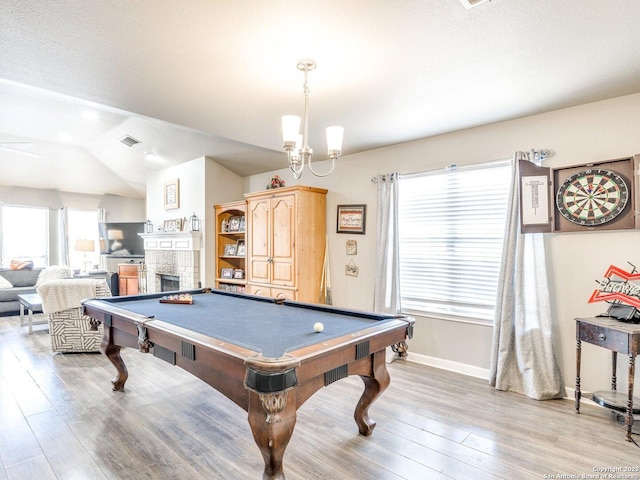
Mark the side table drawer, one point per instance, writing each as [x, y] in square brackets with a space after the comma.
[128, 270]
[604, 337]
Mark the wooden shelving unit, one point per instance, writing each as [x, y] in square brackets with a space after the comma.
[230, 231]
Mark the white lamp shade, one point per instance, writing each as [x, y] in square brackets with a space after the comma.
[115, 234]
[334, 138]
[290, 128]
[85, 245]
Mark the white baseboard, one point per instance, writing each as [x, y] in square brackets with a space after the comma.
[482, 373]
[449, 365]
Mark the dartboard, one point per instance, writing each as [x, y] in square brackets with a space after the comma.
[592, 197]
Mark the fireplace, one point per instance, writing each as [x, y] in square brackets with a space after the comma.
[172, 261]
[169, 283]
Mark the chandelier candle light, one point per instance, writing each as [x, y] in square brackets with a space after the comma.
[297, 145]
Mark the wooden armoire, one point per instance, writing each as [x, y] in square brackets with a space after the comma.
[286, 235]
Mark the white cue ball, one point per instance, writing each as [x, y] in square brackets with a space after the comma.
[318, 327]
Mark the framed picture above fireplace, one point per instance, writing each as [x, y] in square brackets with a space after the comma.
[171, 194]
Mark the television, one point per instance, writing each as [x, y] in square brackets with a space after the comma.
[121, 238]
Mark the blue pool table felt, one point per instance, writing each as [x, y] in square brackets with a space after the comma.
[265, 327]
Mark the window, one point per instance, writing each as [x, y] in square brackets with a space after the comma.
[451, 227]
[82, 225]
[25, 234]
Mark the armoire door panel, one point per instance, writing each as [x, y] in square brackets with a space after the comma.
[283, 227]
[282, 274]
[259, 271]
[260, 231]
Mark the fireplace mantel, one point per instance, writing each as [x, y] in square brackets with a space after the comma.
[171, 241]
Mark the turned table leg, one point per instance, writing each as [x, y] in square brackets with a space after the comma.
[629, 419]
[577, 392]
[272, 418]
[112, 352]
[374, 385]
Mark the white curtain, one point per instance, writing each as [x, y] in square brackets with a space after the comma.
[523, 358]
[63, 236]
[386, 295]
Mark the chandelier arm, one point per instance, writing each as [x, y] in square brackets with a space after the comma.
[305, 131]
[333, 164]
[297, 172]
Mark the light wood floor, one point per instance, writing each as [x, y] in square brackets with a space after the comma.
[59, 419]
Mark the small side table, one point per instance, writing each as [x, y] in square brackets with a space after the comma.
[616, 336]
[33, 304]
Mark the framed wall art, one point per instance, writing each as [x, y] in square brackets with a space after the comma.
[351, 269]
[171, 194]
[351, 219]
[352, 247]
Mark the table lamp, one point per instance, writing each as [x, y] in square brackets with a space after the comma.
[116, 236]
[85, 246]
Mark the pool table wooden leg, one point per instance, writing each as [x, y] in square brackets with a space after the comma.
[113, 354]
[374, 385]
[272, 434]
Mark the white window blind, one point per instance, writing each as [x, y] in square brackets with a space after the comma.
[451, 227]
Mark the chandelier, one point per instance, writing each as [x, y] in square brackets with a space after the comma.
[296, 144]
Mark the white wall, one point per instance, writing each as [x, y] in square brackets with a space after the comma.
[589, 133]
[203, 183]
[118, 209]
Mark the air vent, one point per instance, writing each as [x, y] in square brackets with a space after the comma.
[129, 141]
[472, 3]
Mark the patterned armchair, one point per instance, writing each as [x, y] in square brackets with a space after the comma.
[69, 329]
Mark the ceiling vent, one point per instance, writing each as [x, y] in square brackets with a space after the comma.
[472, 3]
[129, 141]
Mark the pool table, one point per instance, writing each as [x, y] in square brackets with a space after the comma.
[261, 353]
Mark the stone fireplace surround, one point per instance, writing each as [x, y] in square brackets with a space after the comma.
[175, 254]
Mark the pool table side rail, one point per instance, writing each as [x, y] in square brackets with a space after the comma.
[221, 366]
[342, 311]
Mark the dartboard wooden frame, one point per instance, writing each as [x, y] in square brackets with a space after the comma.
[626, 220]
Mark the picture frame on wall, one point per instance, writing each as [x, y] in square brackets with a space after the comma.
[171, 194]
[351, 219]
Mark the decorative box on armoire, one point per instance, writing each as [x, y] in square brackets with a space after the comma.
[286, 235]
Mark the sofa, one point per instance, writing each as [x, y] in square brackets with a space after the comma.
[21, 282]
[70, 330]
[14, 282]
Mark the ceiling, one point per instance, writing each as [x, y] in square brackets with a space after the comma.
[213, 77]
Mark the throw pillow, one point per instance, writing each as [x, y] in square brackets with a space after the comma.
[54, 272]
[20, 265]
[4, 283]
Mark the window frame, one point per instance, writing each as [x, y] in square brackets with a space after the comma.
[5, 259]
[481, 312]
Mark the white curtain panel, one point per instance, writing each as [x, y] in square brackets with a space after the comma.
[386, 295]
[523, 358]
[63, 236]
